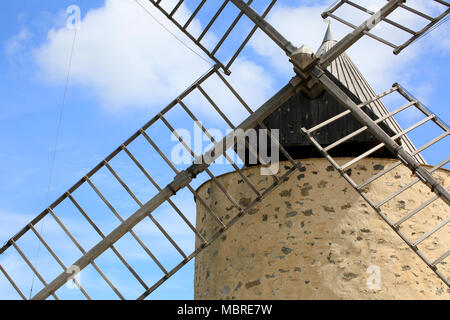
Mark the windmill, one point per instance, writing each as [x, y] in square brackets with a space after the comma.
[361, 127]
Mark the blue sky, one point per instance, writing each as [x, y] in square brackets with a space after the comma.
[125, 69]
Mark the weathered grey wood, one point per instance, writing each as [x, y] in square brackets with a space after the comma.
[396, 149]
[180, 181]
[358, 33]
[266, 27]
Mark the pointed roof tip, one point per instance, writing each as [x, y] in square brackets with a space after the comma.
[329, 35]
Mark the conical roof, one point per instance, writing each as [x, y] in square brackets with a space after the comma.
[346, 72]
[309, 108]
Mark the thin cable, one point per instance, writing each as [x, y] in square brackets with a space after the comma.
[58, 131]
[172, 34]
[437, 25]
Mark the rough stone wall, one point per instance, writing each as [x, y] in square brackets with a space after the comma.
[315, 238]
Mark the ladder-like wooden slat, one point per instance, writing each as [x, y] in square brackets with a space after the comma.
[77, 244]
[38, 275]
[58, 260]
[406, 159]
[376, 18]
[8, 277]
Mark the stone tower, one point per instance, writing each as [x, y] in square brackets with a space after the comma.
[315, 237]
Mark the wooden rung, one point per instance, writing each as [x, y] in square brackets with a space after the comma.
[211, 22]
[11, 281]
[398, 163]
[415, 126]
[227, 33]
[395, 24]
[331, 120]
[38, 275]
[441, 258]
[347, 137]
[390, 44]
[416, 210]
[445, 3]
[67, 232]
[417, 12]
[365, 154]
[188, 22]
[410, 184]
[247, 39]
[175, 9]
[431, 232]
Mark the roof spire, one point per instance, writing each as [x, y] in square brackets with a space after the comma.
[329, 35]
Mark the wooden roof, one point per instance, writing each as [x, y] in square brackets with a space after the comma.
[344, 70]
[307, 109]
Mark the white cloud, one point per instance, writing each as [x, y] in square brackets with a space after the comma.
[16, 43]
[126, 59]
[303, 25]
[12, 223]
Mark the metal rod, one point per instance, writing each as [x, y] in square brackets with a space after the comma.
[214, 18]
[333, 9]
[419, 13]
[421, 107]
[364, 155]
[395, 24]
[445, 3]
[415, 126]
[191, 37]
[346, 112]
[122, 183]
[343, 139]
[331, 120]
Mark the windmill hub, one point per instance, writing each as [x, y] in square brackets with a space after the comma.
[303, 57]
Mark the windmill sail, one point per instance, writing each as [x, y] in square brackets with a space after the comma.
[161, 203]
[396, 6]
[310, 107]
[222, 8]
[430, 225]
